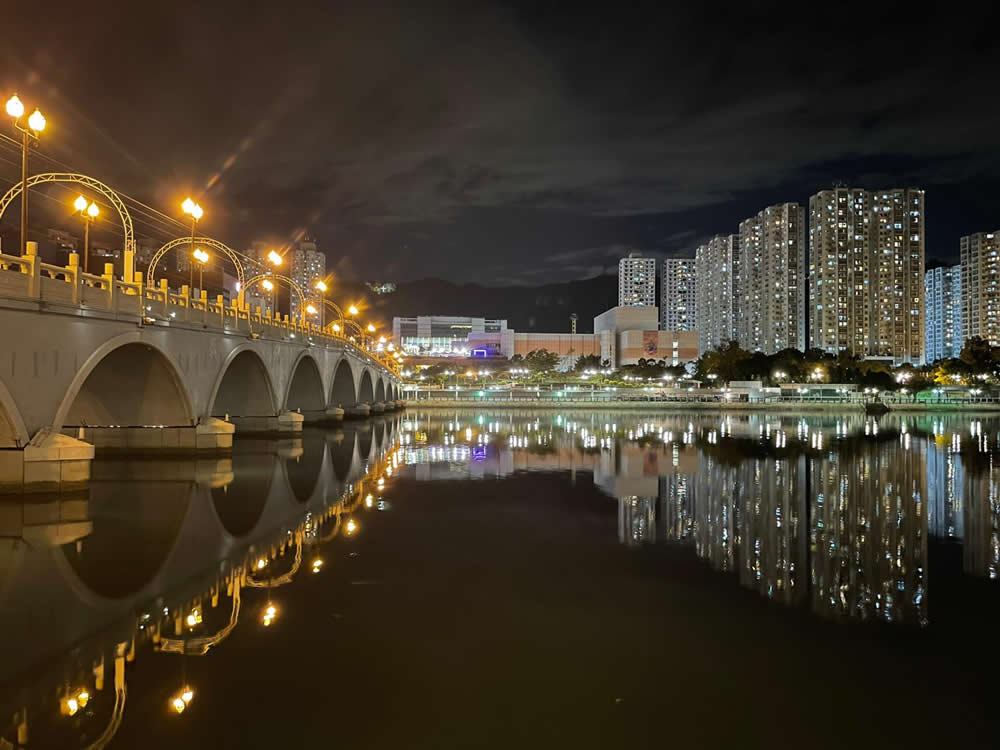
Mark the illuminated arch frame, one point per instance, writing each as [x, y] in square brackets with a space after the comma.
[293, 285]
[79, 179]
[207, 242]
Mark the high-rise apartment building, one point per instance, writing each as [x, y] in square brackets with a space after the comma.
[943, 313]
[981, 286]
[307, 265]
[770, 310]
[637, 281]
[715, 305]
[677, 294]
[866, 271]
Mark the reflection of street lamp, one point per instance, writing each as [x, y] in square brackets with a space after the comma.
[202, 257]
[181, 701]
[29, 135]
[88, 212]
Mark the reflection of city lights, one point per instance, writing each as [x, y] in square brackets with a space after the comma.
[368, 501]
[180, 701]
[269, 615]
[351, 526]
[82, 697]
[317, 564]
[70, 706]
[194, 618]
[261, 564]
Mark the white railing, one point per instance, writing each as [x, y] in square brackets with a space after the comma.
[61, 287]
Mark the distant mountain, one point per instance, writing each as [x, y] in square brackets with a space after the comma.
[536, 308]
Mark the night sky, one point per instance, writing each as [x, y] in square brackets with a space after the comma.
[507, 142]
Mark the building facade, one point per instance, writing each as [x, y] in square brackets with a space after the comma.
[980, 291]
[678, 294]
[866, 272]
[715, 291]
[637, 281]
[770, 313]
[306, 266]
[449, 335]
[943, 313]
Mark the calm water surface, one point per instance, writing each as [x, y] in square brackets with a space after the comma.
[511, 579]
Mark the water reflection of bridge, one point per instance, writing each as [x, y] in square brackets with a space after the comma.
[832, 513]
[136, 560]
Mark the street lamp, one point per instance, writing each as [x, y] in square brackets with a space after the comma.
[275, 259]
[266, 283]
[193, 210]
[202, 257]
[88, 212]
[352, 310]
[321, 287]
[29, 135]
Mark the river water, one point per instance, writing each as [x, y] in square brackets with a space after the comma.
[491, 578]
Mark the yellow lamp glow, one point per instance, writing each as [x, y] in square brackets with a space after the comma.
[371, 328]
[275, 258]
[321, 285]
[36, 122]
[311, 310]
[267, 285]
[352, 310]
[351, 526]
[336, 328]
[93, 210]
[15, 107]
[80, 204]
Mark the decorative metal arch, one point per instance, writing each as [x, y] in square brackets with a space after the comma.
[206, 241]
[80, 179]
[293, 285]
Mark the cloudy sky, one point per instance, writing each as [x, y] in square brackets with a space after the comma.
[511, 142]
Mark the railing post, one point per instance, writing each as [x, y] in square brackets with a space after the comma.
[186, 294]
[204, 307]
[73, 269]
[35, 272]
[165, 289]
[142, 296]
[109, 279]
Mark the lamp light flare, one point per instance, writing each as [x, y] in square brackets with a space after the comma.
[352, 310]
[37, 121]
[92, 210]
[15, 107]
[321, 285]
[80, 204]
[311, 309]
[275, 258]
[371, 328]
[267, 285]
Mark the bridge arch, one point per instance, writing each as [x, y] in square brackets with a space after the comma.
[80, 179]
[366, 392]
[305, 386]
[13, 433]
[243, 387]
[128, 382]
[342, 392]
[380, 390]
[207, 242]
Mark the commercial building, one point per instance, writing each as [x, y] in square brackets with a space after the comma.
[771, 305]
[451, 335]
[943, 313]
[628, 334]
[306, 266]
[715, 303]
[866, 272]
[980, 255]
[637, 281]
[678, 286]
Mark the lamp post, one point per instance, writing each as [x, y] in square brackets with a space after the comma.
[88, 212]
[193, 210]
[29, 135]
[275, 259]
[266, 283]
[202, 257]
[321, 287]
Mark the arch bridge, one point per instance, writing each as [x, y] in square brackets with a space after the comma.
[84, 366]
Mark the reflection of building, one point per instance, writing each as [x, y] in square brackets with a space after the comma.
[943, 319]
[771, 308]
[869, 534]
[636, 519]
[945, 485]
[677, 295]
[980, 294]
[637, 281]
[866, 272]
[715, 307]
[981, 549]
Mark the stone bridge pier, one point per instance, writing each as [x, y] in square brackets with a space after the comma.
[75, 380]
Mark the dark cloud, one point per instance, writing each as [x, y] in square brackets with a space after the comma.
[512, 142]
